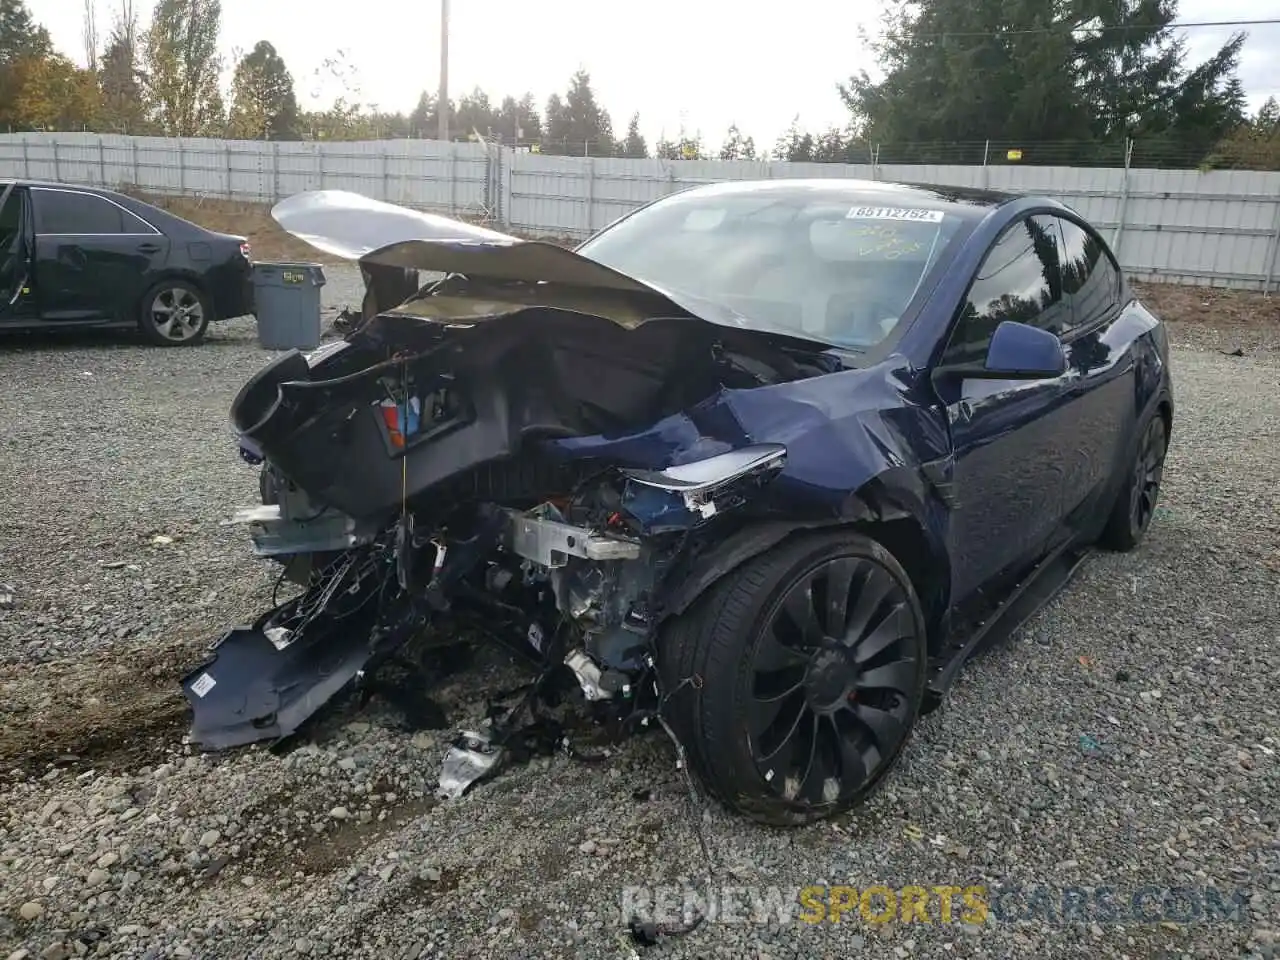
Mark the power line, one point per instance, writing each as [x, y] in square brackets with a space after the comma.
[1033, 31]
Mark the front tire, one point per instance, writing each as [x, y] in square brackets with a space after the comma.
[1135, 504]
[174, 313]
[794, 683]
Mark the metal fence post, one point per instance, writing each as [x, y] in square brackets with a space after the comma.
[26, 159]
[384, 166]
[226, 150]
[450, 174]
[320, 165]
[591, 193]
[102, 163]
[506, 185]
[57, 173]
[986, 173]
[275, 171]
[182, 167]
[133, 160]
[1124, 202]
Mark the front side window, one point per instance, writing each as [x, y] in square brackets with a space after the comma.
[1020, 279]
[814, 262]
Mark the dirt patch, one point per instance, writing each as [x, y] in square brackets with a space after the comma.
[1176, 303]
[338, 847]
[1230, 321]
[110, 711]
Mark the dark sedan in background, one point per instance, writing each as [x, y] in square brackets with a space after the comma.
[74, 256]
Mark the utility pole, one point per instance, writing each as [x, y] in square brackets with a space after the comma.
[442, 104]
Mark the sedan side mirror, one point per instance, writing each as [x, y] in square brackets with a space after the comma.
[1017, 351]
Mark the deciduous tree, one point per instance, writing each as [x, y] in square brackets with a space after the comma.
[183, 66]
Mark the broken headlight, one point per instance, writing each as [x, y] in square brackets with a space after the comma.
[691, 492]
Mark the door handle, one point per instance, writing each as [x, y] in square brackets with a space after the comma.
[148, 248]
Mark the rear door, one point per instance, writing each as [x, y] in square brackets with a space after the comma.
[1099, 388]
[94, 258]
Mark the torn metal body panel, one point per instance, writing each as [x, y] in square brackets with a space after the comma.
[731, 466]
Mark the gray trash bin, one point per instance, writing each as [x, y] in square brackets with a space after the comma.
[286, 297]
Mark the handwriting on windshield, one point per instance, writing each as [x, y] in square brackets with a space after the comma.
[884, 239]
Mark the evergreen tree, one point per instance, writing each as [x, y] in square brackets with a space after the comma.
[263, 103]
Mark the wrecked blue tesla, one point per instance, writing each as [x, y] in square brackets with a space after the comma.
[760, 465]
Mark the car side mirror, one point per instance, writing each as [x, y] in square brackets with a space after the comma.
[1017, 351]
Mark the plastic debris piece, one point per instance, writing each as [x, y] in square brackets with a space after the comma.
[1090, 746]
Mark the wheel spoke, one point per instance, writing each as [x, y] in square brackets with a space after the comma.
[800, 609]
[777, 684]
[853, 765]
[773, 723]
[809, 740]
[892, 629]
[899, 676]
[840, 575]
[884, 727]
[875, 587]
[772, 655]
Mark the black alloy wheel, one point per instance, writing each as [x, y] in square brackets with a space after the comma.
[798, 677]
[834, 674]
[1135, 504]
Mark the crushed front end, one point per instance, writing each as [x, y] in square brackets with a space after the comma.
[426, 482]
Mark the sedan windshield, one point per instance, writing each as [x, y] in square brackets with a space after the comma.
[825, 265]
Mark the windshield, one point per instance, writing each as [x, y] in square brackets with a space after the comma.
[816, 263]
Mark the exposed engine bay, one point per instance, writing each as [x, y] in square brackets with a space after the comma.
[506, 477]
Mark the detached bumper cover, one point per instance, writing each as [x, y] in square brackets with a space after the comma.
[250, 689]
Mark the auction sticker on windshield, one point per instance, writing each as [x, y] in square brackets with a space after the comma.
[895, 213]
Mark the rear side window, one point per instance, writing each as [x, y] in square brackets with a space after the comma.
[61, 212]
[1019, 280]
[1090, 279]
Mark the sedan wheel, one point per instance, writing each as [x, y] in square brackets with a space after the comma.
[796, 681]
[174, 313]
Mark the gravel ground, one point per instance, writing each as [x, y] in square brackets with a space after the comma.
[1128, 738]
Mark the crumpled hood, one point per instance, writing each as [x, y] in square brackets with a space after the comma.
[355, 227]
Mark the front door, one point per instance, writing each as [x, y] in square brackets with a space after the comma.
[1011, 439]
[17, 303]
[94, 259]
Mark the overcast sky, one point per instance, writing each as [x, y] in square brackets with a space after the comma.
[702, 64]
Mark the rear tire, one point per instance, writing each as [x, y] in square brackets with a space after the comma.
[824, 629]
[174, 313]
[1135, 504]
